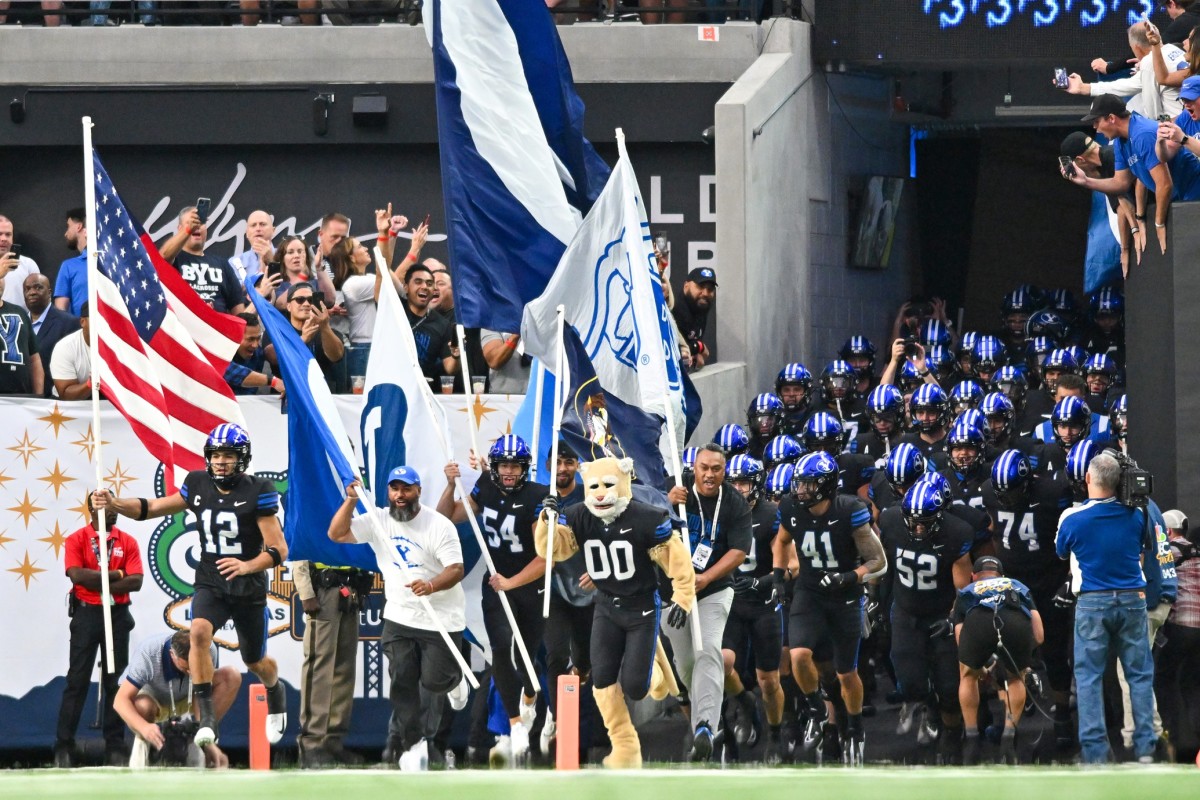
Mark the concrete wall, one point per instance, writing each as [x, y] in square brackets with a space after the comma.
[787, 159]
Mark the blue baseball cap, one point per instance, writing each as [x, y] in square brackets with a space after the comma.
[703, 275]
[405, 475]
[1190, 90]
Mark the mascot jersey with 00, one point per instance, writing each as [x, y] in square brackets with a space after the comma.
[825, 544]
[922, 572]
[228, 525]
[507, 521]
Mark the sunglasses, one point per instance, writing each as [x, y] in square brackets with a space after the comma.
[310, 299]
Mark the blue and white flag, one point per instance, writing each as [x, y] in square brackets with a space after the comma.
[530, 416]
[1102, 265]
[517, 172]
[609, 285]
[320, 460]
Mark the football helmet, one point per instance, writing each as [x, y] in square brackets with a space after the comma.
[815, 479]
[1074, 415]
[930, 397]
[233, 438]
[509, 449]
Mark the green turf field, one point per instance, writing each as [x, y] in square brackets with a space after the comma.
[1157, 783]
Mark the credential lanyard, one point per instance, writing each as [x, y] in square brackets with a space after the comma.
[716, 511]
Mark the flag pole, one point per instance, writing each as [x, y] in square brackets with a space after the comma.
[552, 469]
[537, 421]
[89, 193]
[470, 392]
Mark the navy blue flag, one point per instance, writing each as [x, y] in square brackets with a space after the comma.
[517, 172]
[319, 456]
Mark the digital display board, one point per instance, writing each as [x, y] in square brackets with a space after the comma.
[975, 32]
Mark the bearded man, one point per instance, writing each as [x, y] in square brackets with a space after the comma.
[622, 539]
[417, 656]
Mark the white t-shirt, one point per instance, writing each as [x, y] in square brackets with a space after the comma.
[359, 294]
[428, 543]
[70, 361]
[14, 282]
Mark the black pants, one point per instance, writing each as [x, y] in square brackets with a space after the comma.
[508, 670]
[87, 636]
[1059, 624]
[568, 637]
[924, 663]
[1177, 682]
[623, 644]
[418, 659]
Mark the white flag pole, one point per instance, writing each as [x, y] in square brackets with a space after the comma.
[470, 392]
[552, 522]
[89, 193]
[538, 388]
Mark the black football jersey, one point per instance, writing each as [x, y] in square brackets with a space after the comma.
[507, 521]
[854, 472]
[228, 526]
[935, 451]
[1031, 448]
[617, 554]
[966, 488]
[872, 445]
[825, 544]
[1038, 406]
[1025, 534]
[764, 524]
[793, 423]
[853, 414]
[921, 573]
[974, 515]
[881, 492]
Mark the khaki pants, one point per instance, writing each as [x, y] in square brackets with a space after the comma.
[327, 674]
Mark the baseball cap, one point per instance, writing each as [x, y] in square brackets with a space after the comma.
[1190, 90]
[405, 475]
[1176, 519]
[703, 275]
[987, 564]
[1104, 105]
[1075, 144]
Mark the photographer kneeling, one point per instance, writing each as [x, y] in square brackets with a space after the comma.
[1106, 539]
[996, 625]
[156, 688]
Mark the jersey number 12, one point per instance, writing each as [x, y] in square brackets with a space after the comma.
[219, 533]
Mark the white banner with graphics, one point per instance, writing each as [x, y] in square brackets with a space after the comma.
[46, 470]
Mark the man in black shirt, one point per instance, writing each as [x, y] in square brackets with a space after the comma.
[755, 624]
[21, 368]
[431, 331]
[507, 506]
[838, 553]
[719, 529]
[691, 315]
[212, 278]
[621, 540]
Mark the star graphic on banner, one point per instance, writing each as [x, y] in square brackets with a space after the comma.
[26, 570]
[88, 443]
[480, 409]
[25, 448]
[57, 479]
[26, 509]
[508, 428]
[83, 511]
[5, 539]
[56, 540]
[117, 478]
[57, 419]
[4, 478]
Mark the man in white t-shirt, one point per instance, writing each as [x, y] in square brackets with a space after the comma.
[16, 268]
[426, 543]
[70, 363]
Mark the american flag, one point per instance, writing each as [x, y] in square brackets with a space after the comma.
[163, 350]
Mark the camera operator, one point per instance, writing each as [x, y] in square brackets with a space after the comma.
[156, 689]
[1177, 679]
[1105, 539]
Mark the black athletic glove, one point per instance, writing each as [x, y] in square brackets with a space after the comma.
[942, 629]
[677, 617]
[1065, 597]
[743, 585]
[832, 581]
[774, 587]
[551, 504]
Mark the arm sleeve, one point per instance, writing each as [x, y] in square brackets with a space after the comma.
[302, 578]
[73, 552]
[268, 499]
[449, 549]
[1122, 87]
[133, 555]
[741, 529]
[235, 374]
[870, 549]
[360, 527]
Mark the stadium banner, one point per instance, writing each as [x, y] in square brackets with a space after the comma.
[45, 473]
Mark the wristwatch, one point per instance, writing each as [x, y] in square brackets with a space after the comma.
[1184, 140]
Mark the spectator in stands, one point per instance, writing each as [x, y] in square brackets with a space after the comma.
[1185, 16]
[298, 269]
[260, 230]
[349, 261]
[508, 366]
[70, 286]
[1134, 138]
[430, 331]
[14, 266]
[1152, 98]
[699, 294]
[71, 364]
[1096, 161]
[306, 311]
[100, 18]
[21, 370]
[334, 228]
[442, 302]
[50, 324]
[211, 277]
[247, 371]
[1177, 678]
[49, 20]
[312, 7]
[915, 312]
[1173, 75]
